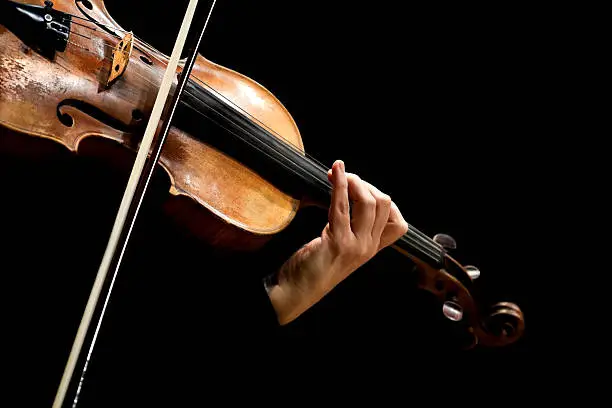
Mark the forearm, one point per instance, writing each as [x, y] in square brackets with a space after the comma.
[295, 288]
[348, 241]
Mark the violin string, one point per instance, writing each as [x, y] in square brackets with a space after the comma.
[317, 177]
[229, 130]
[155, 85]
[420, 236]
[104, 44]
[292, 168]
[423, 242]
[81, 35]
[313, 160]
[317, 163]
[138, 39]
[77, 45]
[417, 239]
[421, 245]
[86, 26]
[95, 22]
[132, 72]
[142, 42]
[90, 28]
[288, 143]
[325, 187]
[321, 166]
[105, 58]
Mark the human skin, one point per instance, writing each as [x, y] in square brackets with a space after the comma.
[349, 240]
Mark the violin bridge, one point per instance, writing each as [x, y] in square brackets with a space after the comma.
[121, 58]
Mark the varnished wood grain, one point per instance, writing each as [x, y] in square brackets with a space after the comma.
[214, 195]
[205, 182]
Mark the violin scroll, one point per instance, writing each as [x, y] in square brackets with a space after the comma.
[505, 321]
[453, 284]
[234, 156]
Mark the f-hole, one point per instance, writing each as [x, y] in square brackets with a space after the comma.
[92, 111]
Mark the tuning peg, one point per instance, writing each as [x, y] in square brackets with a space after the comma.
[446, 241]
[472, 271]
[452, 311]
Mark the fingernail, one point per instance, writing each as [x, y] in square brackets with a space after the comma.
[341, 165]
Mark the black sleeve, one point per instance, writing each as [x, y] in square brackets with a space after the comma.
[250, 316]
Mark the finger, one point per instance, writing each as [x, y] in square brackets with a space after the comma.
[364, 206]
[383, 209]
[395, 228]
[338, 215]
[395, 215]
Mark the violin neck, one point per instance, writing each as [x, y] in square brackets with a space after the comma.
[205, 116]
[274, 159]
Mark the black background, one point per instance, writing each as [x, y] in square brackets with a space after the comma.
[443, 106]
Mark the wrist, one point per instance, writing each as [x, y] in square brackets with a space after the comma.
[306, 277]
[287, 301]
[292, 289]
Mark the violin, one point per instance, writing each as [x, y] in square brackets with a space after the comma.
[233, 153]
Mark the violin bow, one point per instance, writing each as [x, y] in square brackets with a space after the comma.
[144, 165]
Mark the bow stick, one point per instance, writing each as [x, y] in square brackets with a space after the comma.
[144, 166]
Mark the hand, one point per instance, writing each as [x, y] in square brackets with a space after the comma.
[345, 244]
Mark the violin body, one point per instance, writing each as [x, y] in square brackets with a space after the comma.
[65, 100]
[84, 84]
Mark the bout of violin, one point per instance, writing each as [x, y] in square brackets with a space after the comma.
[234, 155]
